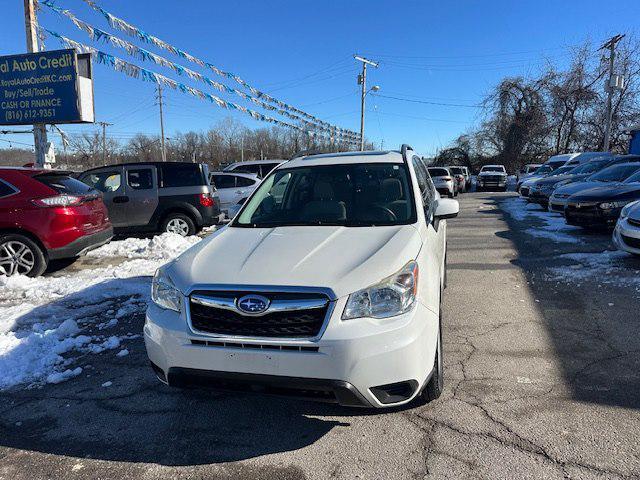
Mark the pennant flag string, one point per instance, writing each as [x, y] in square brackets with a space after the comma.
[97, 35]
[135, 71]
[133, 31]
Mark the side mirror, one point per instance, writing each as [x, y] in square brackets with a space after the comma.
[446, 208]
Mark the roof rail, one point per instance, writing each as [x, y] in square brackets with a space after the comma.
[403, 150]
[306, 153]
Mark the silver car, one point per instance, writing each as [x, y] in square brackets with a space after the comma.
[233, 188]
[443, 181]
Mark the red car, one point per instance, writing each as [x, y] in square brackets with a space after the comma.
[47, 215]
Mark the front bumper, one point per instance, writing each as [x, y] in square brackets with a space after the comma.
[82, 245]
[557, 205]
[591, 216]
[539, 197]
[347, 363]
[626, 237]
[483, 183]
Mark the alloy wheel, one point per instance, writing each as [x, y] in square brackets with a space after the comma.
[16, 258]
[179, 226]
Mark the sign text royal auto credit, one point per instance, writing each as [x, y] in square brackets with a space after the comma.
[39, 88]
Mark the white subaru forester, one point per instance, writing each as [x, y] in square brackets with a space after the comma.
[327, 285]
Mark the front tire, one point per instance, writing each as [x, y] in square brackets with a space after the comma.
[179, 223]
[19, 255]
[434, 388]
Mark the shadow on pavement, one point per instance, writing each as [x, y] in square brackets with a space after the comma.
[593, 324]
[138, 419]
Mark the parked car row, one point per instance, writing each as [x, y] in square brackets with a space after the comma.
[51, 214]
[450, 181]
[597, 191]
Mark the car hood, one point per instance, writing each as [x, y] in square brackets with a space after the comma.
[344, 259]
[612, 191]
[558, 179]
[576, 187]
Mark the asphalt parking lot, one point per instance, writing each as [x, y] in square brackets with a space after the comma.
[542, 381]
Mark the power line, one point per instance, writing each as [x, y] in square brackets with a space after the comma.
[426, 102]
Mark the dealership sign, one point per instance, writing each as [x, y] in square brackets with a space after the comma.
[45, 87]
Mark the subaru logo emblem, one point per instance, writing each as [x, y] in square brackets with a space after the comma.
[253, 304]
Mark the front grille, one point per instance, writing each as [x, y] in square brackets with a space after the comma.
[255, 346]
[557, 207]
[631, 241]
[562, 195]
[491, 178]
[305, 323]
[524, 191]
[635, 223]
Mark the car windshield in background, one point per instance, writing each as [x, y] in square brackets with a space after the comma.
[493, 169]
[543, 169]
[616, 173]
[438, 172]
[562, 171]
[591, 167]
[456, 170]
[635, 178]
[65, 184]
[355, 195]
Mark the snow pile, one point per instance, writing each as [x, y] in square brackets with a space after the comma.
[167, 245]
[42, 319]
[608, 267]
[554, 226]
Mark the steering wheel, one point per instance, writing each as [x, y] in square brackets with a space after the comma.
[387, 212]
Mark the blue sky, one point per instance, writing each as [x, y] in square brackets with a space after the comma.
[301, 52]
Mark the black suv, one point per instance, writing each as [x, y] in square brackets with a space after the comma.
[157, 196]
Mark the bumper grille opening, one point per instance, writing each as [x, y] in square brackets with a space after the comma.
[304, 323]
[324, 390]
[395, 392]
[632, 242]
[635, 223]
[256, 346]
[159, 372]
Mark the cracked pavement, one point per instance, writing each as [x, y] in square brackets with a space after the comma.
[542, 380]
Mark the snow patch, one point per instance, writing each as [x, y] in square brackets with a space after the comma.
[44, 320]
[553, 228]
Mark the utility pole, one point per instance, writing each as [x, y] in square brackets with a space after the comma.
[242, 149]
[31, 26]
[362, 80]
[611, 85]
[164, 152]
[104, 126]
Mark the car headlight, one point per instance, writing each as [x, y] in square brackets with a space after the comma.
[625, 211]
[612, 205]
[392, 296]
[164, 293]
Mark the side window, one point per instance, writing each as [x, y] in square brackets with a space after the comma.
[6, 189]
[427, 188]
[224, 181]
[244, 182]
[181, 175]
[107, 181]
[140, 179]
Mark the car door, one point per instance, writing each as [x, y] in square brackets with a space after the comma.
[226, 186]
[142, 193]
[244, 187]
[431, 254]
[110, 181]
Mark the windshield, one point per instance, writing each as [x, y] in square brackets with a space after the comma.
[456, 170]
[591, 167]
[493, 169]
[357, 195]
[635, 178]
[438, 172]
[543, 169]
[562, 171]
[616, 173]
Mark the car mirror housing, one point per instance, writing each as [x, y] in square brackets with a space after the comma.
[446, 208]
